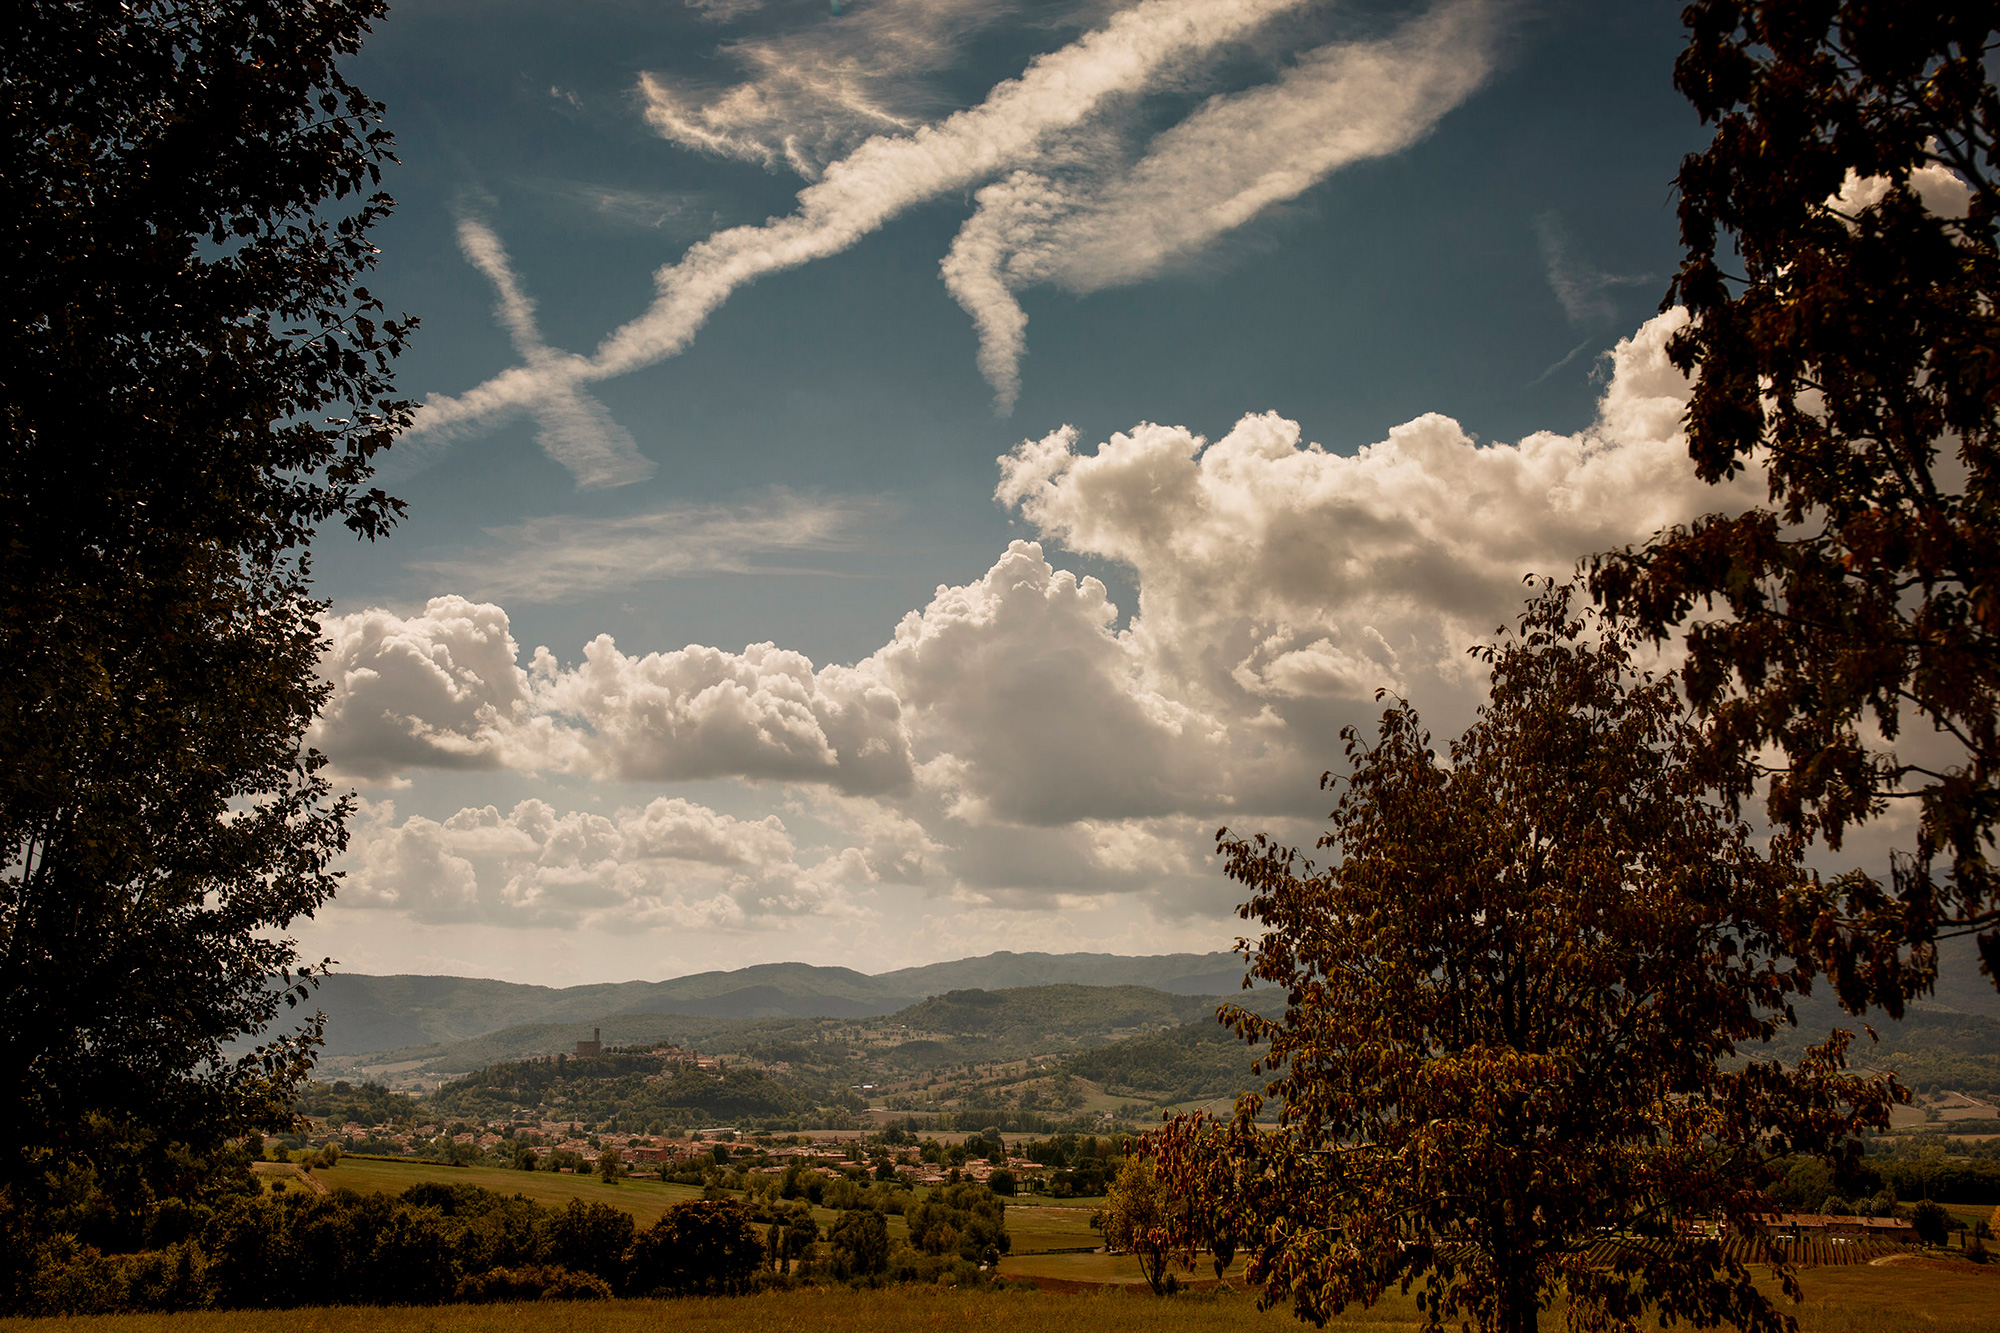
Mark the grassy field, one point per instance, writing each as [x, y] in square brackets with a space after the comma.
[1034, 1226]
[1841, 1300]
[646, 1200]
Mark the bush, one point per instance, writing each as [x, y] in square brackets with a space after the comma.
[532, 1283]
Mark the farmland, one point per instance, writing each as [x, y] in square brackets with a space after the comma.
[1866, 1299]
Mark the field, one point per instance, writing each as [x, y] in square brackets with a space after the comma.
[1845, 1300]
[646, 1200]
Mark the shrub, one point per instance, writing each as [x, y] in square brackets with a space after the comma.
[532, 1283]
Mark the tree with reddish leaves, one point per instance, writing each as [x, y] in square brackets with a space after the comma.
[1518, 1056]
[1843, 283]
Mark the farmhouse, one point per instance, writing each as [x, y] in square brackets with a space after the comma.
[1829, 1226]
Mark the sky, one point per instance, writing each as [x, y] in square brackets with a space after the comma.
[895, 476]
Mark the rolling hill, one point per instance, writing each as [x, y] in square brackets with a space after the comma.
[395, 1013]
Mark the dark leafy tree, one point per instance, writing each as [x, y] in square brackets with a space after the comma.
[192, 383]
[589, 1238]
[703, 1246]
[1931, 1223]
[1517, 1011]
[1843, 285]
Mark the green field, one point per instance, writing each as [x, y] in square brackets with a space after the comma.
[1841, 1300]
[1034, 1226]
[646, 1200]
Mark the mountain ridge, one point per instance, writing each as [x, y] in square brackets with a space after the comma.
[368, 1013]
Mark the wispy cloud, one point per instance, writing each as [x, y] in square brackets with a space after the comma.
[811, 94]
[561, 556]
[1238, 155]
[1582, 288]
[1232, 158]
[875, 183]
[674, 211]
[576, 430]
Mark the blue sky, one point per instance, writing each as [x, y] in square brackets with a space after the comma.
[1085, 405]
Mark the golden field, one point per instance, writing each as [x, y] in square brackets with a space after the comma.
[1860, 1299]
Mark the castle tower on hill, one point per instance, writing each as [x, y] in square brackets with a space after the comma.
[595, 1046]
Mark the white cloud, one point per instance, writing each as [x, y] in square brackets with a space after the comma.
[765, 714]
[576, 431]
[1211, 173]
[1013, 742]
[861, 192]
[561, 556]
[1029, 709]
[814, 92]
[670, 863]
[439, 690]
[1279, 585]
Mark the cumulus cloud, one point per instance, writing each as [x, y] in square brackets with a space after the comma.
[1272, 573]
[861, 192]
[561, 556]
[669, 863]
[1031, 710]
[1279, 584]
[1106, 225]
[446, 689]
[436, 690]
[764, 714]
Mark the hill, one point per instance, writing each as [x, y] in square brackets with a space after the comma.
[397, 1013]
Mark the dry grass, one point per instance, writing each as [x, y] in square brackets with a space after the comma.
[1839, 1300]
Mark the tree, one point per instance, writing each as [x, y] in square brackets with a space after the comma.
[1137, 1219]
[608, 1162]
[701, 1246]
[1852, 625]
[1931, 1223]
[588, 1237]
[860, 1241]
[1509, 1005]
[192, 383]
[962, 1219]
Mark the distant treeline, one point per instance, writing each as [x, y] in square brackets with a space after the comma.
[436, 1242]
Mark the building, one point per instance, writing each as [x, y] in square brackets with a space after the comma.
[595, 1046]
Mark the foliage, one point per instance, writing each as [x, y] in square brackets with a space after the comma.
[1508, 1007]
[703, 1246]
[1189, 1063]
[965, 1219]
[1855, 173]
[589, 1237]
[1139, 1217]
[532, 1284]
[191, 384]
[1931, 1223]
[860, 1243]
[340, 1102]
